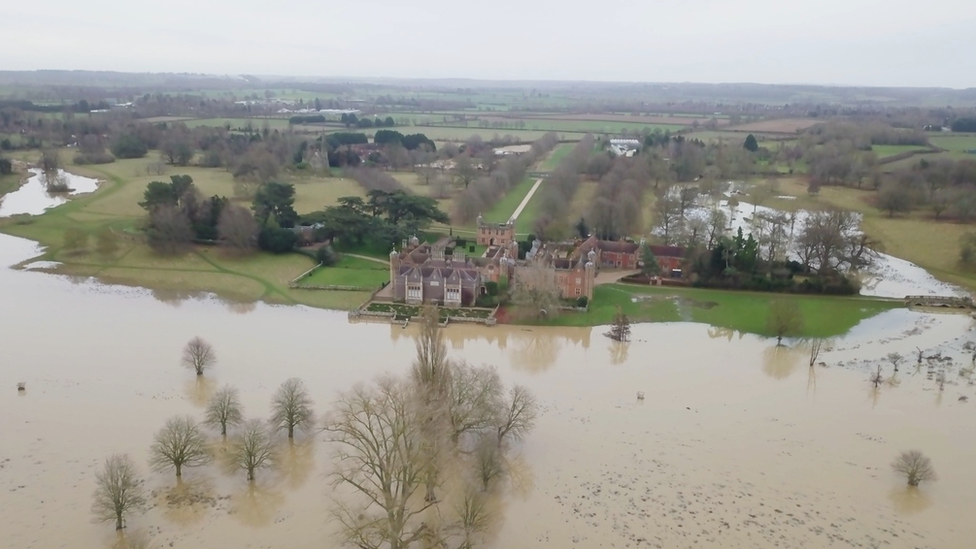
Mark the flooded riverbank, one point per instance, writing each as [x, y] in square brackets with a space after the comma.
[736, 444]
[33, 197]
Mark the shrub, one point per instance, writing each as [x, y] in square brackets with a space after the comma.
[326, 256]
[485, 301]
[582, 301]
[6, 167]
[492, 288]
[129, 146]
[82, 159]
[277, 241]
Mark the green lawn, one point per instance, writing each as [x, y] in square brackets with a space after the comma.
[506, 206]
[556, 156]
[884, 151]
[958, 142]
[349, 271]
[824, 316]
[256, 123]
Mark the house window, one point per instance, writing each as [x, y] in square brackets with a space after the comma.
[578, 291]
[413, 292]
[579, 280]
[434, 283]
[453, 294]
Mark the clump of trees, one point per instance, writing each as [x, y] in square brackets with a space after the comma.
[384, 217]
[915, 466]
[620, 329]
[397, 440]
[555, 197]
[535, 293]
[178, 214]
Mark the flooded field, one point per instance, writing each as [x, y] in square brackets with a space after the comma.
[736, 444]
[33, 198]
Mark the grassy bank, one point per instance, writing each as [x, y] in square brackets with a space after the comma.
[824, 316]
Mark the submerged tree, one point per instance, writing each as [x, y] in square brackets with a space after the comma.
[431, 376]
[895, 359]
[816, 345]
[253, 447]
[292, 407]
[915, 466]
[378, 455]
[877, 379]
[118, 490]
[785, 319]
[199, 355]
[224, 410]
[180, 443]
[620, 329]
[519, 414]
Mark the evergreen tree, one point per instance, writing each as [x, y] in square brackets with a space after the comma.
[751, 144]
[649, 264]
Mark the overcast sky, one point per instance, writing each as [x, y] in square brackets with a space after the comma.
[851, 42]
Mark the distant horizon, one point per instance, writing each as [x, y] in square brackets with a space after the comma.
[310, 78]
[847, 43]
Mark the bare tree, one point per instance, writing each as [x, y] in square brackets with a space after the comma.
[816, 345]
[519, 415]
[118, 490]
[224, 410]
[253, 447]
[895, 359]
[180, 443]
[620, 329]
[169, 230]
[378, 456]
[464, 171]
[292, 407]
[199, 355]
[877, 379]
[431, 375]
[785, 319]
[237, 229]
[476, 398]
[536, 292]
[667, 217]
[488, 461]
[915, 466]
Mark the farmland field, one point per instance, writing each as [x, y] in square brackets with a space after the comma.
[711, 136]
[441, 133]
[256, 123]
[964, 142]
[781, 125]
[593, 126]
[884, 151]
[651, 119]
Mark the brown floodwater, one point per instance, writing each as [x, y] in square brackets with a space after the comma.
[736, 443]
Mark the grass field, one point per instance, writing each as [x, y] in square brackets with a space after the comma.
[506, 206]
[963, 142]
[256, 123]
[349, 271]
[592, 126]
[884, 151]
[260, 276]
[557, 154]
[779, 125]
[741, 311]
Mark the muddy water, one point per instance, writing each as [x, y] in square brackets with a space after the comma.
[736, 444]
[32, 197]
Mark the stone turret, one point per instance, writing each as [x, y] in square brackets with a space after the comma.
[394, 265]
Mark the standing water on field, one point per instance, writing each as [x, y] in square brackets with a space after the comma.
[33, 198]
[737, 443]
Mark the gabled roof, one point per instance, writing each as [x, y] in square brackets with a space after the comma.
[668, 251]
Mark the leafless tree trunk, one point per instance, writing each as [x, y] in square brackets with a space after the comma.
[519, 416]
[292, 407]
[180, 443]
[199, 355]
[253, 448]
[915, 466]
[237, 229]
[378, 455]
[118, 490]
[224, 410]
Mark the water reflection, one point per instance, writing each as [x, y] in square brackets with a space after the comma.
[200, 389]
[619, 351]
[136, 539]
[780, 361]
[241, 308]
[257, 503]
[909, 500]
[32, 197]
[295, 461]
[189, 501]
[535, 350]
